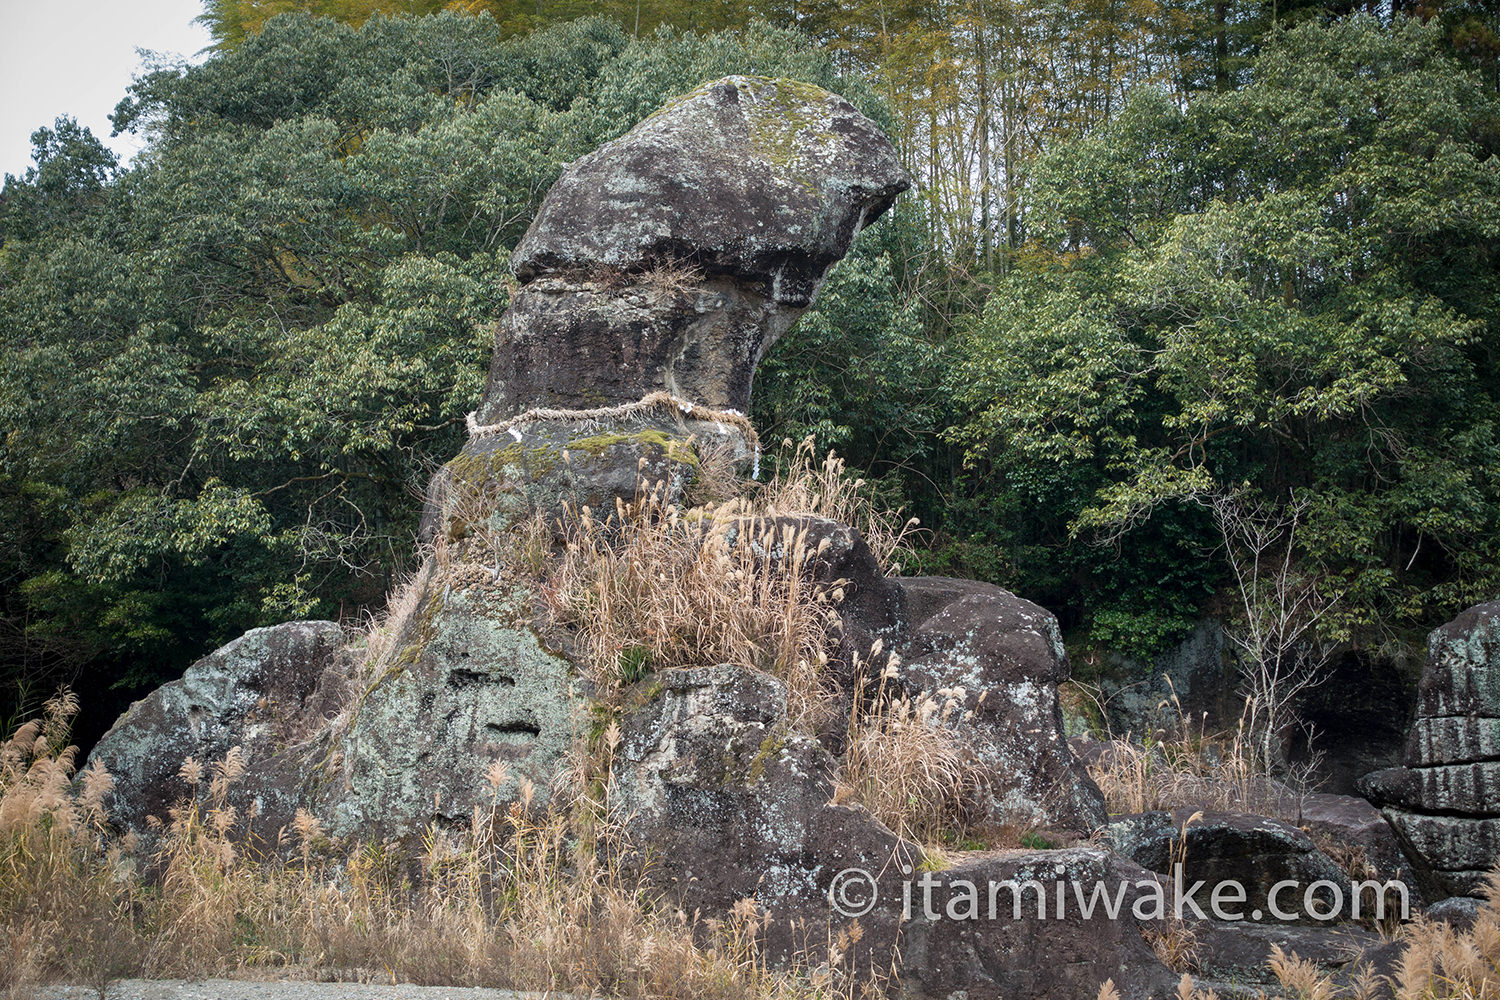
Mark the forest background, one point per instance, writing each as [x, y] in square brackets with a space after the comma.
[1164, 261]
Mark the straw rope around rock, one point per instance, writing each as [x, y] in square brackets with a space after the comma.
[656, 402]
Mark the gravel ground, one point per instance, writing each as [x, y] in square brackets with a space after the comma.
[229, 989]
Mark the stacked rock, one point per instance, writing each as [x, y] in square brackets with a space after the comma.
[1445, 802]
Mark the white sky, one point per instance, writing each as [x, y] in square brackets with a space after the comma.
[76, 57]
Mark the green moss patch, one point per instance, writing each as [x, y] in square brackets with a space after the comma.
[675, 449]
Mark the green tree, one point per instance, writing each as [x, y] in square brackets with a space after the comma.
[1284, 291]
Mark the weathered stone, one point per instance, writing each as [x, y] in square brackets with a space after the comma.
[1238, 952]
[468, 683]
[723, 802]
[267, 692]
[764, 180]
[1444, 804]
[1458, 912]
[1198, 671]
[1453, 853]
[872, 604]
[1255, 852]
[569, 340]
[547, 466]
[672, 258]
[1019, 950]
[1462, 788]
[1001, 658]
[1453, 740]
[1353, 823]
[1462, 674]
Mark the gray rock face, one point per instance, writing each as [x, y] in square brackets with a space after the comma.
[764, 180]
[1198, 671]
[468, 683]
[1238, 952]
[573, 340]
[1003, 657]
[267, 692]
[1255, 852]
[673, 257]
[1444, 803]
[726, 804]
[1458, 912]
[545, 466]
[1058, 954]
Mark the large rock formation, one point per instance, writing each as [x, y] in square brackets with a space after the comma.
[725, 801]
[655, 276]
[1444, 803]
[673, 257]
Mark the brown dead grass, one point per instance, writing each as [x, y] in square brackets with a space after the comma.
[902, 763]
[1439, 963]
[803, 484]
[651, 587]
[513, 899]
[1185, 766]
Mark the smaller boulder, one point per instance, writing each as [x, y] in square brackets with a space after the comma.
[268, 692]
[1000, 658]
[1365, 844]
[1253, 852]
[1063, 922]
[1458, 912]
[722, 801]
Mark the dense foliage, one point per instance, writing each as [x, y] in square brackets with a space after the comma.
[1153, 261]
[1288, 289]
[231, 367]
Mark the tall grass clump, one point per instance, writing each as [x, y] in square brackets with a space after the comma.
[804, 484]
[67, 893]
[1184, 765]
[650, 586]
[901, 760]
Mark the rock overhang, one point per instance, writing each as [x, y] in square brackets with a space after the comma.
[765, 180]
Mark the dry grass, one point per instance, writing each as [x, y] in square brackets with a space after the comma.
[903, 764]
[670, 276]
[651, 587]
[804, 485]
[1174, 940]
[514, 899]
[1184, 766]
[1439, 963]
